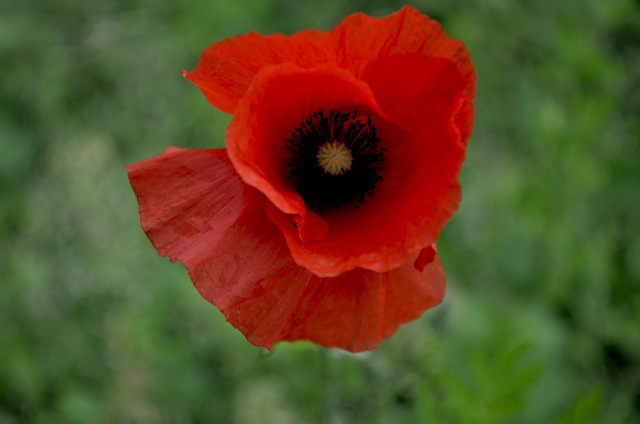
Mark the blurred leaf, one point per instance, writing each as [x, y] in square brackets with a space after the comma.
[586, 409]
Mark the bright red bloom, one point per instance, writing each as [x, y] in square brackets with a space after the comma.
[319, 220]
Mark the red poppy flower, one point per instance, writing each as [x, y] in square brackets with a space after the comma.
[319, 220]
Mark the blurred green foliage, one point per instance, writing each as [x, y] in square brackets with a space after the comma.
[542, 317]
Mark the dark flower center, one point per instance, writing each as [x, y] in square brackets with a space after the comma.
[335, 159]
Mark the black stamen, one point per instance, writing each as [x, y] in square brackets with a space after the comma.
[319, 188]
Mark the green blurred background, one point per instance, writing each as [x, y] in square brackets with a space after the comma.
[541, 323]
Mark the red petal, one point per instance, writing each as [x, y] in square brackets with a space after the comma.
[194, 208]
[361, 39]
[187, 200]
[358, 309]
[227, 68]
[411, 88]
[354, 311]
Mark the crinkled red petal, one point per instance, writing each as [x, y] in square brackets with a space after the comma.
[361, 39]
[226, 68]
[188, 200]
[195, 209]
[358, 309]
